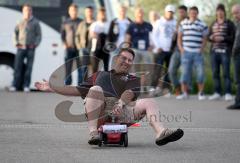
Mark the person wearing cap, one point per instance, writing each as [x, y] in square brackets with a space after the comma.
[164, 31]
[221, 35]
[192, 39]
[236, 56]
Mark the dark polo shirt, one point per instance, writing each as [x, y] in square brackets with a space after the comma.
[112, 83]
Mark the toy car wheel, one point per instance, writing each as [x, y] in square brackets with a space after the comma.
[122, 139]
[121, 142]
[125, 140]
[104, 138]
[101, 139]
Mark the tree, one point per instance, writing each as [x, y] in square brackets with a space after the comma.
[156, 5]
[209, 7]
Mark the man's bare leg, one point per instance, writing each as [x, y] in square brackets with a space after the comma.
[94, 105]
[149, 107]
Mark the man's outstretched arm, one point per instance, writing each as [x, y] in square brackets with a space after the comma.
[65, 90]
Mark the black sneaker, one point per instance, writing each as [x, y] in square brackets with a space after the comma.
[94, 138]
[168, 136]
[234, 106]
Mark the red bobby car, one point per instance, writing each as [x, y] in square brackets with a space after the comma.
[113, 133]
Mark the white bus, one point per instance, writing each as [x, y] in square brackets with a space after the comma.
[50, 53]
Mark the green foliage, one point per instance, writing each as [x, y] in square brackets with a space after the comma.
[157, 5]
[209, 7]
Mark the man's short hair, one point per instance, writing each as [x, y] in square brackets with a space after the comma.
[221, 7]
[73, 5]
[89, 7]
[102, 9]
[194, 8]
[139, 8]
[129, 50]
[27, 5]
[182, 7]
[122, 6]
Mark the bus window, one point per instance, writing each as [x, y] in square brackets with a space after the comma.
[34, 3]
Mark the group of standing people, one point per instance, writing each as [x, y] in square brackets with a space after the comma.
[177, 44]
[180, 44]
[88, 37]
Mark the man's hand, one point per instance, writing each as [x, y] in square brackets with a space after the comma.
[150, 48]
[43, 86]
[202, 50]
[65, 46]
[181, 51]
[160, 50]
[127, 96]
[117, 109]
[32, 46]
[19, 46]
[218, 38]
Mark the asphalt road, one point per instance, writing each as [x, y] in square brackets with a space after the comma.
[30, 132]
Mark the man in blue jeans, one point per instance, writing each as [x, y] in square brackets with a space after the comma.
[82, 39]
[27, 37]
[236, 55]
[192, 37]
[68, 31]
[175, 60]
[221, 35]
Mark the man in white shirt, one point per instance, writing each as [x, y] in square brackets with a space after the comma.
[98, 35]
[163, 35]
[153, 17]
[117, 32]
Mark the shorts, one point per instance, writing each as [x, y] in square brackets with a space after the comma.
[126, 117]
[188, 62]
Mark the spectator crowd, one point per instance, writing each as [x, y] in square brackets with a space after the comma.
[176, 40]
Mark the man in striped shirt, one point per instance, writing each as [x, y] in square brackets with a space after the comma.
[221, 35]
[192, 37]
